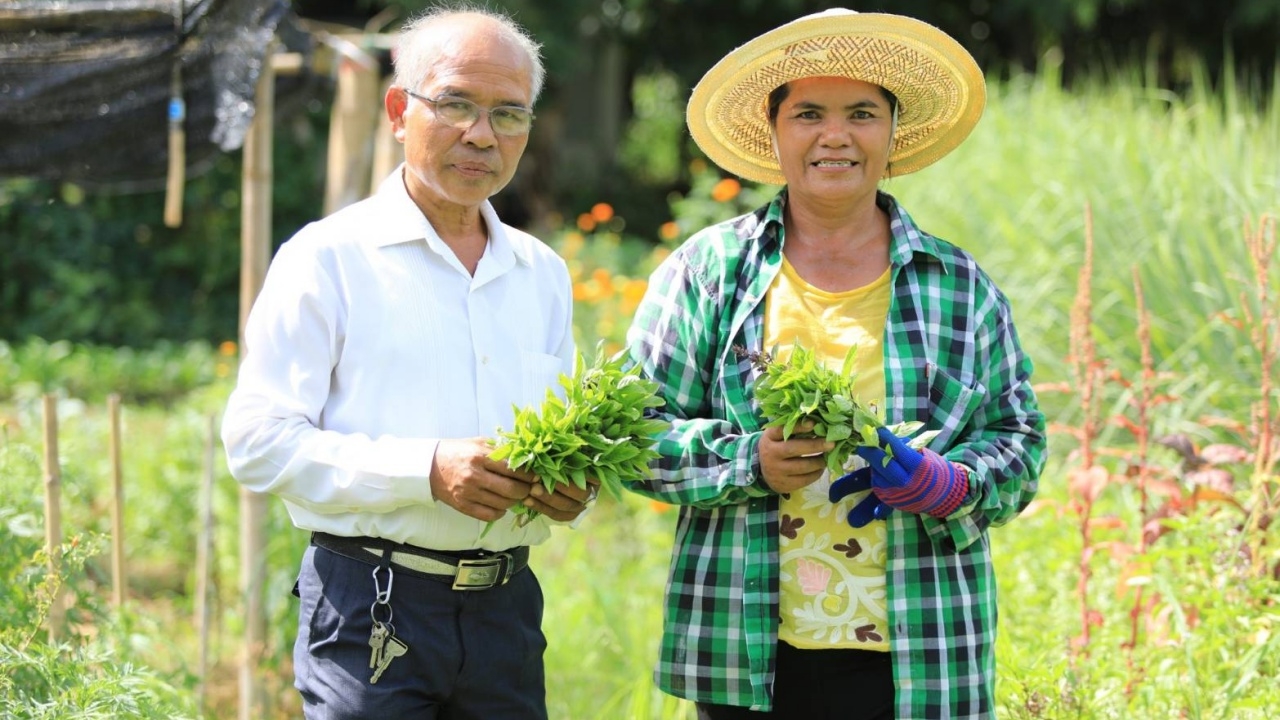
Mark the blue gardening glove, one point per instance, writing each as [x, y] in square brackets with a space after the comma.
[871, 507]
[921, 482]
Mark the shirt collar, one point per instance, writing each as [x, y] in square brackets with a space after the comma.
[908, 239]
[403, 221]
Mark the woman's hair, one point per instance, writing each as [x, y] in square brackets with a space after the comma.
[417, 50]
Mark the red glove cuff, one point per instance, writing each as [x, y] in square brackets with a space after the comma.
[937, 488]
[955, 495]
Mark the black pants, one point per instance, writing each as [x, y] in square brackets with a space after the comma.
[473, 655]
[822, 685]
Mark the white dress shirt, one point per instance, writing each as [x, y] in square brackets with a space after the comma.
[369, 343]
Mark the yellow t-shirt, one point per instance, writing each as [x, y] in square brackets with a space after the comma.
[832, 575]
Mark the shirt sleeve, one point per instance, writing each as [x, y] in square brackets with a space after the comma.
[1004, 446]
[704, 460]
[272, 425]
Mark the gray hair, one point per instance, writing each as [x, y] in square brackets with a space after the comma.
[416, 52]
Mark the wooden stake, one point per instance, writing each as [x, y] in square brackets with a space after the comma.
[388, 153]
[356, 110]
[118, 579]
[255, 247]
[53, 513]
[204, 561]
[177, 177]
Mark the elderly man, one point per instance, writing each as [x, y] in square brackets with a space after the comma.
[389, 343]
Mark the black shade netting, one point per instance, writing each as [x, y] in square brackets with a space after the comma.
[85, 85]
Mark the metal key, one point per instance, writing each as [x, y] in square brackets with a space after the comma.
[393, 649]
[377, 639]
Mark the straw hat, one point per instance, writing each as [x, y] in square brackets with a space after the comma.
[940, 88]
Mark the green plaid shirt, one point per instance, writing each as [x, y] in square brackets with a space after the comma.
[952, 360]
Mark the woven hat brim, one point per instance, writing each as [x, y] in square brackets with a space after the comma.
[939, 86]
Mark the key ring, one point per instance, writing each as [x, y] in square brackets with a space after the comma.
[373, 615]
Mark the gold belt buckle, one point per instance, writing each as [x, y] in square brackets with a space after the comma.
[480, 573]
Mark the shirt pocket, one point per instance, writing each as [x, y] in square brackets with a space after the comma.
[952, 403]
[539, 371]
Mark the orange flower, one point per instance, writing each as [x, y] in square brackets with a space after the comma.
[602, 212]
[669, 230]
[725, 190]
[632, 293]
[658, 506]
[603, 280]
[227, 348]
[586, 223]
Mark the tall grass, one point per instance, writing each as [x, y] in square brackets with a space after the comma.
[1171, 183]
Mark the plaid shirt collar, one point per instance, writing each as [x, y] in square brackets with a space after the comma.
[908, 241]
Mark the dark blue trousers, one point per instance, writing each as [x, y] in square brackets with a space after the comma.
[472, 655]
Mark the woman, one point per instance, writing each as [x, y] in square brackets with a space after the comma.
[873, 596]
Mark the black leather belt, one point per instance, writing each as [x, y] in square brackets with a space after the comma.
[463, 569]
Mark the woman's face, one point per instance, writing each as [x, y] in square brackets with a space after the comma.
[832, 137]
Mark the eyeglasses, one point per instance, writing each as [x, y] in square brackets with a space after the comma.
[462, 113]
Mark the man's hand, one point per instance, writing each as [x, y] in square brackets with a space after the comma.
[566, 503]
[898, 476]
[788, 465]
[464, 478]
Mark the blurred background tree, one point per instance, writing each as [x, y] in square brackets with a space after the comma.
[102, 268]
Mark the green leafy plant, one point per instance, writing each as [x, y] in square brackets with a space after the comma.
[599, 430]
[804, 389]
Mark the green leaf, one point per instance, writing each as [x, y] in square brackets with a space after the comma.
[839, 432]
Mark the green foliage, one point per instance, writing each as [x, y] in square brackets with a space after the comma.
[1208, 645]
[802, 389]
[163, 373]
[651, 147]
[599, 430]
[603, 582]
[1169, 184]
[94, 677]
[87, 683]
[100, 267]
[700, 207]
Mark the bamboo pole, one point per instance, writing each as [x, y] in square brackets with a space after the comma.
[255, 246]
[53, 515]
[204, 561]
[176, 180]
[388, 153]
[352, 126]
[118, 579]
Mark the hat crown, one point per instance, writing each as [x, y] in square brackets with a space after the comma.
[829, 12]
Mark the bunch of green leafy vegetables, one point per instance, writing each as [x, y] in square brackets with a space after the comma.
[600, 429]
[805, 389]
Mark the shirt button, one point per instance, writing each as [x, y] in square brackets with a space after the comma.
[484, 359]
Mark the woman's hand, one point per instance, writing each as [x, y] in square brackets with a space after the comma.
[788, 465]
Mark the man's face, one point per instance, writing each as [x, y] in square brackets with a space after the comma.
[450, 167]
[832, 137]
